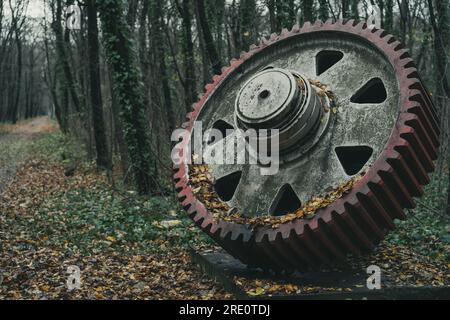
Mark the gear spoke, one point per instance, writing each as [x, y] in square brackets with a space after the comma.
[359, 124]
[222, 170]
[222, 152]
[255, 196]
[350, 74]
[329, 174]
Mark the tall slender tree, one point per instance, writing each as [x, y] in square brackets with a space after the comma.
[235, 26]
[404, 14]
[381, 6]
[207, 36]
[63, 56]
[2, 7]
[17, 20]
[345, 9]
[247, 15]
[156, 18]
[323, 10]
[440, 22]
[270, 4]
[354, 9]
[219, 15]
[286, 13]
[189, 81]
[119, 47]
[389, 16]
[132, 13]
[307, 10]
[98, 121]
[206, 70]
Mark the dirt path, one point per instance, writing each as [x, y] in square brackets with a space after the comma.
[29, 127]
[15, 142]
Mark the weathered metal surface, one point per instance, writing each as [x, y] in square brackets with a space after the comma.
[403, 133]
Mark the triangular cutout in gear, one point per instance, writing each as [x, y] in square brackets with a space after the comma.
[226, 186]
[373, 91]
[285, 202]
[326, 59]
[353, 158]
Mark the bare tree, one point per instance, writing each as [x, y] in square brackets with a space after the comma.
[209, 41]
[103, 157]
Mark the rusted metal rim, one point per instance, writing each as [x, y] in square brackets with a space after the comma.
[358, 221]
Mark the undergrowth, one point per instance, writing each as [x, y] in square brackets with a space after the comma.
[82, 216]
[427, 229]
[96, 217]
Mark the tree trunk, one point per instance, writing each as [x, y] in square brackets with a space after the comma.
[157, 20]
[307, 10]
[119, 49]
[98, 121]
[219, 29]
[286, 14]
[118, 132]
[30, 85]
[439, 19]
[389, 16]
[247, 9]
[345, 7]
[381, 6]
[132, 13]
[209, 41]
[354, 9]
[235, 27]
[272, 15]
[206, 74]
[15, 106]
[403, 5]
[190, 86]
[63, 57]
[323, 10]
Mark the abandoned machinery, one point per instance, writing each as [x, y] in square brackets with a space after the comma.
[349, 106]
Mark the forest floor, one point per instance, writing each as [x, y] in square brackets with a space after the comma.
[131, 247]
[125, 246]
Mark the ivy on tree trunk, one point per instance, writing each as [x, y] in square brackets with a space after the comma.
[120, 53]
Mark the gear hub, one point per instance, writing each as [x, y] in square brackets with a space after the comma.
[279, 99]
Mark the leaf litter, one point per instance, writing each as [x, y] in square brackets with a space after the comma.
[49, 222]
[202, 183]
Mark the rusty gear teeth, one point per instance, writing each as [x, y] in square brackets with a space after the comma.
[357, 222]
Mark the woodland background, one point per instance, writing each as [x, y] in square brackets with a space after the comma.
[121, 84]
[94, 190]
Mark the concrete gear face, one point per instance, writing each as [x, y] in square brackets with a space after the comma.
[382, 114]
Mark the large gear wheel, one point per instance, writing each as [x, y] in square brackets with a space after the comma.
[380, 126]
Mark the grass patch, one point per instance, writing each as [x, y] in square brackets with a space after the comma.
[57, 147]
[92, 219]
[426, 231]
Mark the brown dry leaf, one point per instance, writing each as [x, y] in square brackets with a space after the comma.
[202, 186]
